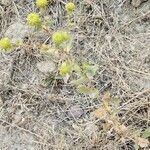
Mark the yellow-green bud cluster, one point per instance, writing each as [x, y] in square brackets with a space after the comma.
[5, 44]
[41, 3]
[59, 37]
[33, 19]
[70, 7]
[65, 68]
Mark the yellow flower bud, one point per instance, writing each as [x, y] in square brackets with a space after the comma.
[70, 7]
[41, 3]
[5, 44]
[65, 68]
[33, 19]
[59, 37]
[66, 36]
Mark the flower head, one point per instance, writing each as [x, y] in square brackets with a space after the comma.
[59, 37]
[70, 7]
[65, 68]
[66, 36]
[41, 3]
[33, 19]
[5, 44]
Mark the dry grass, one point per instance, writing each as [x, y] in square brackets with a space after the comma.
[110, 33]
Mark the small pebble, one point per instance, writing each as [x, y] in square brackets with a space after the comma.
[75, 111]
[1, 102]
[17, 31]
[46, 66]
[137, 3]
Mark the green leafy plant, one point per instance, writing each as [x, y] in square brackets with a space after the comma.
[146, 133]
[80, 75]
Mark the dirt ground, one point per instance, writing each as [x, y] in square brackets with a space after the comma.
[115, 34]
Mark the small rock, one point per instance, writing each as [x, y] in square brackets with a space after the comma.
[17, 31]
[46, 66]
[1, 102]
[5, 2]
[137, 3]
[17, 118]
[91, 129]
[75, 111]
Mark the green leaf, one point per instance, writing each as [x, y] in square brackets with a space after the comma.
[135, 132]
[116, 101]
[92, 92]
[106, 97]
[77, 69]
[79, 81]
[136, 146]
[68, 46]
[83, 89]
[146, 133]
[89, 70]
